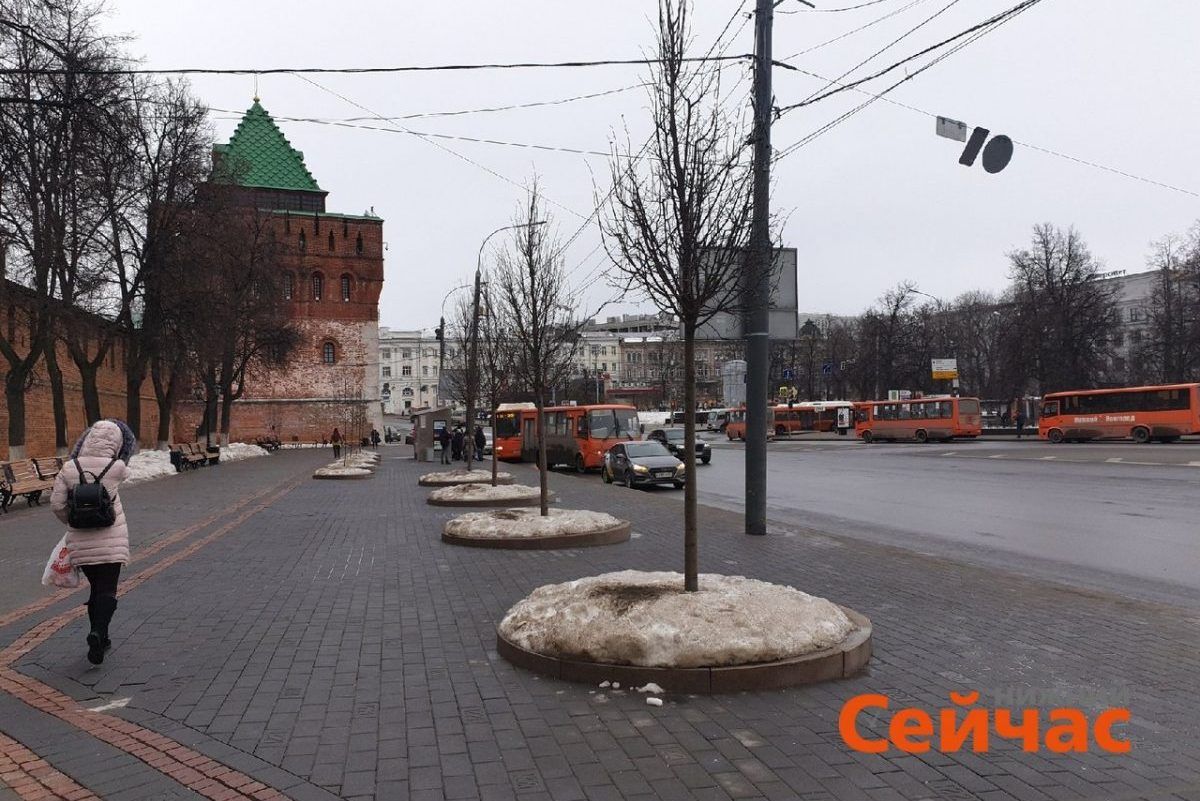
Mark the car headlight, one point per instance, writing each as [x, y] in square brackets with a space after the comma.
[681, 468]
[641, 468]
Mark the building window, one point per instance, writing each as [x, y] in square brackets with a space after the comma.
[406, 354]
[331, 241]
[387, 371]
[386, 353]
[329, 353]
[289, 286]
[406, 370]
[303, 241]
[345, 286]
[318, 286]
[425, 371]
[407, 392]
[358, 244]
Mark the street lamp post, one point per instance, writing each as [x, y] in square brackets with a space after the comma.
[953, 348]
[809, 333]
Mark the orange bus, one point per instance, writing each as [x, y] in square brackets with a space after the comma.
[575, 435]
[506, 430]
[783, 419]
[920, 419]
[1164, 413]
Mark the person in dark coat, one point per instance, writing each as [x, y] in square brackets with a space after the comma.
[443, 437]
[336, 439]
[374, 438]
[480, 442]
[456, 443]
[1020, 422]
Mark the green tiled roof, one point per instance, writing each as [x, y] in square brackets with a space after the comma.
[259, 155]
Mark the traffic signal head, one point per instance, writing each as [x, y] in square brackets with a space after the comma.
[437, 332]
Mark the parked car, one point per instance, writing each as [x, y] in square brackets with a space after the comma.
[642, 463]
[672, 438]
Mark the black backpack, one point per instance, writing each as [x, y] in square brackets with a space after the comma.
[88, 504]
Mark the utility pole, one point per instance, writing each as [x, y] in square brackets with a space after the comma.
[758, 270]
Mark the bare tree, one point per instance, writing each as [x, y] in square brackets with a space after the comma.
[1171, 352]
[1063, 318]
[677, 222]
[532, 293]
[465, 382]
[496, 360]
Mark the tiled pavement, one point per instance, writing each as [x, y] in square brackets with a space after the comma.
[322, 642]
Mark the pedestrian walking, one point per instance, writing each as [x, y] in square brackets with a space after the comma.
[336, 440]
[100, 456]
[1020, 422]
[480, 441]
[374, 438]
[443, 436]
[456, 443]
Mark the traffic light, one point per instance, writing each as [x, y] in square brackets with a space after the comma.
[437, 332]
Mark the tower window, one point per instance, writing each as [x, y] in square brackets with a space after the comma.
[303, 241]
[329, 353]
[331, 241]
[318, 286]
[358, 244]
[345, 288]
[289, 286]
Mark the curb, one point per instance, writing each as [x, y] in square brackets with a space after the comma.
[609, 536]
[829, 664]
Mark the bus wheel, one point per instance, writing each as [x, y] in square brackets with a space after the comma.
[922, 435]
[868, 437]
[1055, 436]
[1141, 435]
[580, 467]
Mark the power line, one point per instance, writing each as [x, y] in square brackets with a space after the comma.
[363, 70]
[849, 33]
[834, 10]
[984, 26]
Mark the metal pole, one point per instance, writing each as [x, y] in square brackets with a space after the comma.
[757, 319]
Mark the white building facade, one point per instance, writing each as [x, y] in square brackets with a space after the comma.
[408, 369]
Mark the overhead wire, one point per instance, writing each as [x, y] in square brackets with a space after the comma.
[867, 4]
[853, 31]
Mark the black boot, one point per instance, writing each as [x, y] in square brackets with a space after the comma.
[100, 612]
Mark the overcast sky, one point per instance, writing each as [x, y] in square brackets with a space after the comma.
[875, 201]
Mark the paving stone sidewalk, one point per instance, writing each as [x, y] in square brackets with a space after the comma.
[330, 645]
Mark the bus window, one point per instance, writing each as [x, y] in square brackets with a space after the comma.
[968, 406]
[1050, 409]
[507, 425]
[627, 422]
[905, 411]
[945, 410]
[581, 426]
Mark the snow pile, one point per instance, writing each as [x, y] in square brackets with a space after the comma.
[527, 523]
[646, 619]
[149, 465]
[485, 492]
[461, 476]
[338, 470]
[236, 451]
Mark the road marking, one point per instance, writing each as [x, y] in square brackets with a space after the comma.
[949, 453]
[996, 456]
[1115, 460]
[1047, 458]
[120, 703]
[1193, 464]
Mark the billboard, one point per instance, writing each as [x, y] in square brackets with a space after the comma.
[784, 305]
[945, 369]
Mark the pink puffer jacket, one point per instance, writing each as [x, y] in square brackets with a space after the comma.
[95, 546]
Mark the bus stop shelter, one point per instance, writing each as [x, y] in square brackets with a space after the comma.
[426, 426]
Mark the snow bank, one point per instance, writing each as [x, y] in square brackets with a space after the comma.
[460, 476]
[341, 471]
[149, 465]
[516, 523]
[485, 492]
[236, 451]
[646, 619]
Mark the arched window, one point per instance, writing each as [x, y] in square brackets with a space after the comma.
[303, 241]
[318, 286]
[289, 286]
[358, 244]
[331, 241]
[328, 353]
[407, 392]
[345, 287]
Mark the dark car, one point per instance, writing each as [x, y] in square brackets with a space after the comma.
[642, 463]
[672, 438]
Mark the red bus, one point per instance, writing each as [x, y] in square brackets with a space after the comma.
[920, 419]
[575, 435]
[783, 419]
[1164, 413]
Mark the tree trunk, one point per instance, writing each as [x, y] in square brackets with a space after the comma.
[165, 395]
[58, 400]
[691, 560]
[495, 464]
[14, 397]
[226, 412]
[543, 478]
[91, 392]
[134, 379]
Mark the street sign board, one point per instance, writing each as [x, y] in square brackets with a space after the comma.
[827, 368]
[945, 369]
[952, 129]
[788, 374]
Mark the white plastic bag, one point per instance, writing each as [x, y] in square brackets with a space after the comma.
[59, 571]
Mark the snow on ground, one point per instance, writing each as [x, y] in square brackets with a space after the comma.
[645, 618]
[459, 475]
[236, 451]
[338, 469]
[521, 523]
[149, 465]
[484, 492]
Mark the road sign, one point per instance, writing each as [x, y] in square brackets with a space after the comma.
[827, 368]
[788, 374]
[945, 369]
[952, 129]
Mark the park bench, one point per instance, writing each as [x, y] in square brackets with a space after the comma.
[22, 479]
[187, 455]
[48, 466]
[267, 443]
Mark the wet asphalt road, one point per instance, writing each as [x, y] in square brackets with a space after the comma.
[1114, 516]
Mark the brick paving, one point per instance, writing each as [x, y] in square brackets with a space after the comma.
[318, 641]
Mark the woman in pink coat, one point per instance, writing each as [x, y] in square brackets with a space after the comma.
[98, 552]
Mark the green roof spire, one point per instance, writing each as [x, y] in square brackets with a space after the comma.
[259, 155]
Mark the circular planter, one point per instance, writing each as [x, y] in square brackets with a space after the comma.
[468, 502]
[449, 479]
[342, 474]
[607, 536]
[840, 662]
